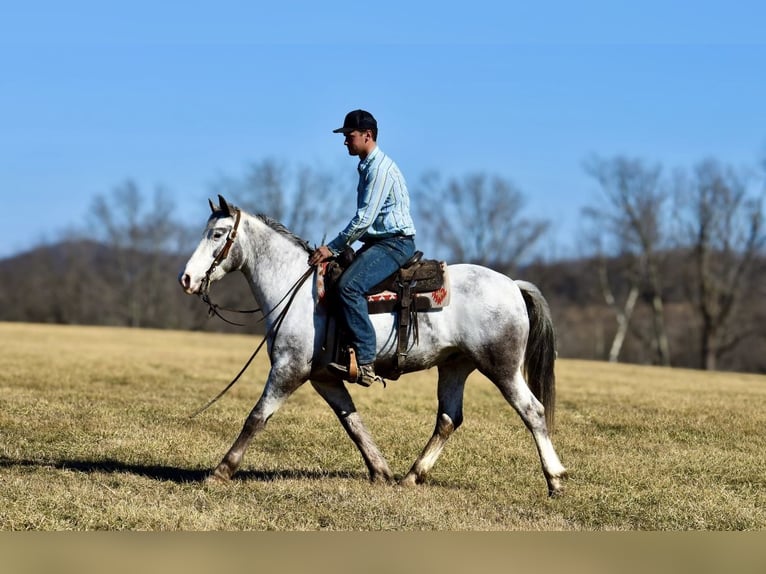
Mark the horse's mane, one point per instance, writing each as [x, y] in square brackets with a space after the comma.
[273, 224]
[282, 230]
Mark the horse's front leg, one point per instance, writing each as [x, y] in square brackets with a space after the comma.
[255, 422]
[339, 399]
[275, 393]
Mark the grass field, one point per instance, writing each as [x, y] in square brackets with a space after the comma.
[95, 434]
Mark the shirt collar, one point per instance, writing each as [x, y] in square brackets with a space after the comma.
[365, 163]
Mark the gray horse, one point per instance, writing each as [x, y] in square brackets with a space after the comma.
[499, 326]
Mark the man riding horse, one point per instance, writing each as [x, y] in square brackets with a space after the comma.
[384, 225]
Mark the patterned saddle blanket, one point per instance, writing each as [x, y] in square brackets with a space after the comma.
[424, 281]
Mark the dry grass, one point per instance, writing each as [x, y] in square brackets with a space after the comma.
[95, 434]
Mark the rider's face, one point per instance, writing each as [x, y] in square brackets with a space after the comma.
[358, 142]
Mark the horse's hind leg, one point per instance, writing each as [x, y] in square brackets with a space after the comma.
[339, 399]
[531, 411]
[449, 417]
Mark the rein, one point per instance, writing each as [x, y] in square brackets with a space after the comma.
[272, 333]
[213, 309]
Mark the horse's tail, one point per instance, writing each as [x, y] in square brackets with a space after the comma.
[540, 354]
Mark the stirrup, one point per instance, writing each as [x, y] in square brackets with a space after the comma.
[353, 373]
[348, 373]
[340, 371]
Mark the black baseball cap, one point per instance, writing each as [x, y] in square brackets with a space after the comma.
[357, 120]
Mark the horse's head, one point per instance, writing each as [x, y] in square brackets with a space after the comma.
[214, 256]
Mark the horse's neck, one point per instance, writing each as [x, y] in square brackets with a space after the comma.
[272, 263]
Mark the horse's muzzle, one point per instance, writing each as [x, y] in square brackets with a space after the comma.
[186, 283]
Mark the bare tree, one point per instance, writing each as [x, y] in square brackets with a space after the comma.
[630, 219]
[723, 227]
[478, 219]
[622, 305]
[141, 234]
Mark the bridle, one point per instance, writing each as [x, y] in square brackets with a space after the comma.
[213, 309]
[222, 254]
[204, 291]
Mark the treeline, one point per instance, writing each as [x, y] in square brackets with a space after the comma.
[672, 269]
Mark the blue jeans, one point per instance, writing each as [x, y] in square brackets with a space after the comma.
[372, 264]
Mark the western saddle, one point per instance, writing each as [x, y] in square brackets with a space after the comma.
[419, 285]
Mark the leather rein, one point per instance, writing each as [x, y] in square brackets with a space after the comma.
[214, 309]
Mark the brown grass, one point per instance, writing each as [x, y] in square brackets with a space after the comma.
[95, 434]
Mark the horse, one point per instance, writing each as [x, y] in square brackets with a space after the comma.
[492, 323]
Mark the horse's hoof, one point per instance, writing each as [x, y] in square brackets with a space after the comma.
[381, 478]
[409, 480]
[217, 477]
[556, 485]
[556, 492]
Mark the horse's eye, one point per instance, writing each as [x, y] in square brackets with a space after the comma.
[217, 234]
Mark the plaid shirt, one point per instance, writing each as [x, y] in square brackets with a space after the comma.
[382, 203]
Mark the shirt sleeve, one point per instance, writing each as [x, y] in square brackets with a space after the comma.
[369, 201]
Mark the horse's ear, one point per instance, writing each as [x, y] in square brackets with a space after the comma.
[223, 205]
[212, 207]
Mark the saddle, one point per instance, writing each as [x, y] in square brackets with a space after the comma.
[419, 285]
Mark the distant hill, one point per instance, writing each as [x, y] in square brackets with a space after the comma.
[87, 282]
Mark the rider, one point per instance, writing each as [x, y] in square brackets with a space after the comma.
[383, 223]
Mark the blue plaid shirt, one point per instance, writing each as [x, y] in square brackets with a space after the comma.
[382, 203]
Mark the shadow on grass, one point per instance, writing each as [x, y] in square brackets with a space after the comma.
[175, 474]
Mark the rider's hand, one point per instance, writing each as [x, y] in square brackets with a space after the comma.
[320, 254]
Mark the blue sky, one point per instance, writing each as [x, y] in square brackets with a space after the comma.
[178, 93]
